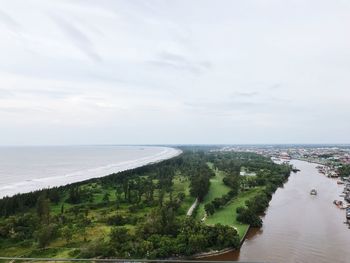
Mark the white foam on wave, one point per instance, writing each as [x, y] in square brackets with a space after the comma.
[82, 175]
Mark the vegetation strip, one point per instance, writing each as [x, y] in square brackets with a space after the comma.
[109, 260]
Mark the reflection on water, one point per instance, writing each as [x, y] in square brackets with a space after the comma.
[299, 227]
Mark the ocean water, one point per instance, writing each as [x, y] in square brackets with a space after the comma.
[24, 169]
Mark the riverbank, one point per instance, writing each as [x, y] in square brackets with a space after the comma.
[319, 237]
[227, 215]
[210, 254]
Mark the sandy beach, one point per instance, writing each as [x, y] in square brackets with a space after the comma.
[27, 183]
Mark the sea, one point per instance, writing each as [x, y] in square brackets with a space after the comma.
[28, 168]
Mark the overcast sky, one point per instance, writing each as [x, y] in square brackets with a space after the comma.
[167, 72]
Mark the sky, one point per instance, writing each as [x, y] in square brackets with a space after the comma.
[174, 72]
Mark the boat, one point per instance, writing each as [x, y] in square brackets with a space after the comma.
[347, 198]
[313, 192]
[340, 182]
[347, 213]
[339, 204]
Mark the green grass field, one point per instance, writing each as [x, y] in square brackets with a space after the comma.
[217, 189]
[227, 215]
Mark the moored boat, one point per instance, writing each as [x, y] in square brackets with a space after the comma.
[313, 192]
[338, 203]
[348, 213]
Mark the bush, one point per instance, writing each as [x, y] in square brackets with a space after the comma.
[209, 208]
[46, 234]
[120, 220]
[116, 220]
[239, 209]
[96, 248]
[258, 204]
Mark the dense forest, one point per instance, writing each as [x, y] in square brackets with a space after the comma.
[141, 213]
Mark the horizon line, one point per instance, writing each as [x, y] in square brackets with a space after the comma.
[176, 144]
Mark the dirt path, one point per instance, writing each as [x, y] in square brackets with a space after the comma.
[193, 206]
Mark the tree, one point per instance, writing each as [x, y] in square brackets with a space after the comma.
[67, 233]
[209, 209]
[181, 196]
[116, 220]
[75, 195]
[140, 188]
[161, 197]
[233, 181]
[118, 193]
[126, 188]
[83, 223]
[43, 209]
[217, 202]
[144, 248]
[258, 204]
[247, 216]
[119, 237]
[54, 195]
[197, 242]
[149, 189]
[45, 235]
[200, 186]
[105, 198]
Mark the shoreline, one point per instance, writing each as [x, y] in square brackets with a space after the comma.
[31, 185]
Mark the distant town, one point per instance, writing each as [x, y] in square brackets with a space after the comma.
[331, 156]
[333, 161]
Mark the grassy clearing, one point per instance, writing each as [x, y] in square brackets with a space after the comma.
[227, 215]
[217, 189]
[182, 185]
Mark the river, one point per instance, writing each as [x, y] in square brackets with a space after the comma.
[299, 227]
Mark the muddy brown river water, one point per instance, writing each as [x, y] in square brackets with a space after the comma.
[299, 227]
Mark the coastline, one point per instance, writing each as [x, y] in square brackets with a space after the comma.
[31, 185]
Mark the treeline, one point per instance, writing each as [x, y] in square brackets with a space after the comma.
[132, 185]
[266, 170]
[219, 202]
[232, 162]
[271, 180]
[127, 180]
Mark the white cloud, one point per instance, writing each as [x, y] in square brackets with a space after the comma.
[174, 71]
